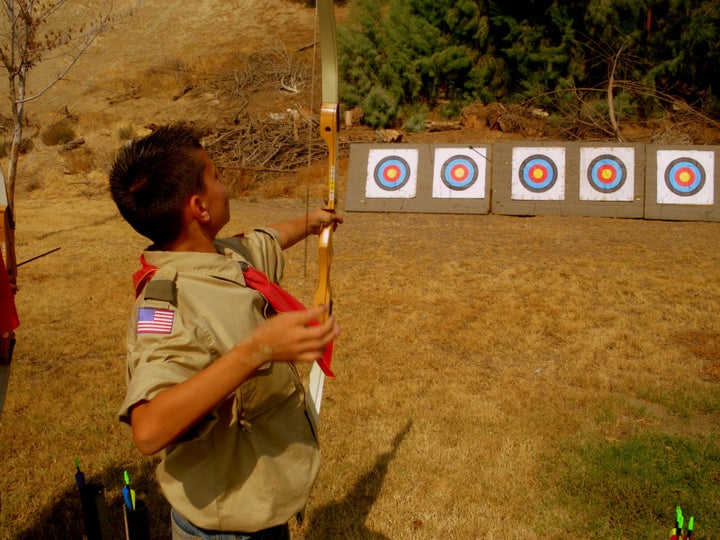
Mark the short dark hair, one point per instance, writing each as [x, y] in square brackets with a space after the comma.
[153, 177]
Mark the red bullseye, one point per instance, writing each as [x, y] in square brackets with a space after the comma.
[685, 176]
[391, 173]
[459, 173]
[607, 174]
[538, 173]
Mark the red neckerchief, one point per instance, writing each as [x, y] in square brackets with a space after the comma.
[281, 300]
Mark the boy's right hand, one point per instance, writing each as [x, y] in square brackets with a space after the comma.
[288, 337]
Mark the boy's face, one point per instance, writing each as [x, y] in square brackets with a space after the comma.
[215, 196]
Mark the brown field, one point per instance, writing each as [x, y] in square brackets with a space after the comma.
[475, 350]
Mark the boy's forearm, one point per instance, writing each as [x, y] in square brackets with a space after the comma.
[293, 231]
[284, 337]
[162, 420]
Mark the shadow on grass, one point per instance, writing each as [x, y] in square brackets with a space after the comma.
[64, 519]
[346, 518]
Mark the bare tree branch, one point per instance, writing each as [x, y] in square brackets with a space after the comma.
[25, 45]
[610, 92]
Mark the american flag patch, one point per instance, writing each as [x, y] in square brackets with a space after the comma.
[155, 321]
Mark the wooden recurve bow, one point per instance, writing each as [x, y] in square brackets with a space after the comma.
[329, 125]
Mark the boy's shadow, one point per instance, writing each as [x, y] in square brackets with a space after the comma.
[63, 520]
[346, 518]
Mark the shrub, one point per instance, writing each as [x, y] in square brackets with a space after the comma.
[58, 133]
[26, 145]
[126, 132]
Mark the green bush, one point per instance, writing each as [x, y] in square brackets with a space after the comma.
[415, 121]
[379, 108]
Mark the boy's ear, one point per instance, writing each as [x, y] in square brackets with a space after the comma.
[197, 209]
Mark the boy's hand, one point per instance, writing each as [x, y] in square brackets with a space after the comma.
[320, 218]
[294, 230]
[293, 336]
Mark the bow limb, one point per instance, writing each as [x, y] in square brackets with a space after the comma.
[8, 285]
[329, 121]
[329, 124]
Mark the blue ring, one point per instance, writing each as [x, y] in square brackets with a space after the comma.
[530, 183]
[453, 162]
[620, 176]
[384, 163]
[671, 174]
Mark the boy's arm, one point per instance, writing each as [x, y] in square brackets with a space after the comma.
[294, 230]
[172, 412]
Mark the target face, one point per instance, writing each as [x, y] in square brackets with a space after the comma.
[685, 177]
[392, 173]
[538, 173]
[459, 173]
[607, 174]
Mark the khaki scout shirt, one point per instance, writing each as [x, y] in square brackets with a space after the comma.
[250, 464]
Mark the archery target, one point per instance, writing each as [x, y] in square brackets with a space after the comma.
[607, 174]
[459, 173]
[392, 173]
[685, 177]
[538, 174]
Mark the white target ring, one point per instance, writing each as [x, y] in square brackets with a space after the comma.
[459, 173]
[538, 173]
[685, 177]
[607, 174]
[392, 173]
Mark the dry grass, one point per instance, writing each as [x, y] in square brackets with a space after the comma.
[476, 351]
[493, 371]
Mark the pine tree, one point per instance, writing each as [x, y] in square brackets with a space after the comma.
[401, 58]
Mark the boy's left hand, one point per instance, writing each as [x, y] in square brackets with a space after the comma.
[320, 218]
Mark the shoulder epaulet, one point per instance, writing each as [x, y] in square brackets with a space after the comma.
[162, 286]
[237, 247]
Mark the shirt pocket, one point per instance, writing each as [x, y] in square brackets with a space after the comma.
[271, 386]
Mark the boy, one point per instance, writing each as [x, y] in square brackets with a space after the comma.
[211, 374]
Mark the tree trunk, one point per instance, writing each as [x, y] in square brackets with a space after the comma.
[18, 112]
